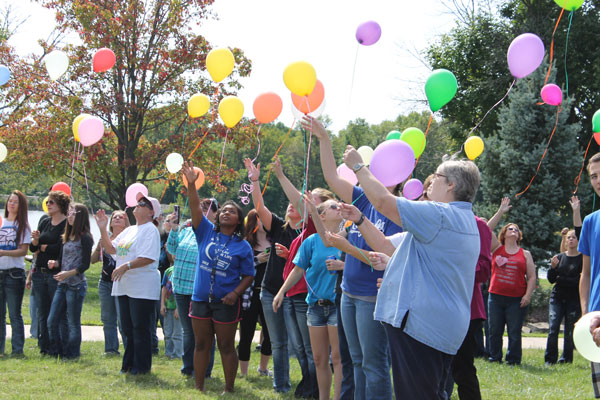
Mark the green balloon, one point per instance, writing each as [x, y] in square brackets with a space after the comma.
[440, 88]
[596, 122]
[393, 135]
[415, 139]
[569, 5]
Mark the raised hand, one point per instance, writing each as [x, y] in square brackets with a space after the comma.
[351, 157]
[315, 126]
[350, 212]
[574, 203]
[253, 170]
[188, 171]
[505, 205]
[277, 168]
[101, 219]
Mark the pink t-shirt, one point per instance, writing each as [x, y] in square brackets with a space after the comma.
[482, 271]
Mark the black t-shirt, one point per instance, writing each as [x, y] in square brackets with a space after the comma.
[108, 266]
[273, 279]
[566, 276]
[50, 235]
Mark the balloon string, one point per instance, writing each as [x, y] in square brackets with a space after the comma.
[353, 72]
[494, 106]
[566, 50]
[552, 42]
[258, 140]
[543, 155]
[87, 186]
[73, 162]
[578, 178]
[223, 150]
[275, 155]
[422, 144]
[164, 190]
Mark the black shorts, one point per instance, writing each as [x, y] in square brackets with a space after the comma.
[219, 313]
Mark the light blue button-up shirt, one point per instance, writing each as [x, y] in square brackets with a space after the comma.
[430, 276]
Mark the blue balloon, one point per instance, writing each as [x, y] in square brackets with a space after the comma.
[4, 75]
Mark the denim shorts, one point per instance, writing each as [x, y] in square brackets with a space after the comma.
[321, 315]
[218, 312]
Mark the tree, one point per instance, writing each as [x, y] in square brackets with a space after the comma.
[160, 64]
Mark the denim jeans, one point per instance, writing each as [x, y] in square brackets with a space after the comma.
[109, 314]
[137, 316]
[12, 287]
[559, 309]
[44, 286]
[67, 300]
[347, 392]
[505, 310]
[277, 332]
[173, 335]
[294, 313]
[33, 329]
[368, 346]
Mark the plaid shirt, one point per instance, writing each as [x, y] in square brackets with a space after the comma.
[183, 246]
[596, 379]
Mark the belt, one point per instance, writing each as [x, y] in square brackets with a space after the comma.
[324, 303]
[45, 270]
[11, 270]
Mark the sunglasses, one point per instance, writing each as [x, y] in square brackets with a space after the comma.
[72, 212]
[334, 206]
[512, 229]
[50, 201]
[143, 204]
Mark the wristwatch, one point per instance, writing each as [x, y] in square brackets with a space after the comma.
[357, 167]
[360, 221]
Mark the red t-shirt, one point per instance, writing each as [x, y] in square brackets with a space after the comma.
[508, 273]
[299, 287]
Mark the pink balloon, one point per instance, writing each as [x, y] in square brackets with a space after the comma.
[132, 192]
[91, 130]
[413, 189]
[368, 33]
[346, 173]
[551, 94]
[393, 161]
[525, 54]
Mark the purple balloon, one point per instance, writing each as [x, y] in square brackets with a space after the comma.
[413, 189]
[368, 33]
[525, 54]
[346, 173]
[393, 161]
[551, 94]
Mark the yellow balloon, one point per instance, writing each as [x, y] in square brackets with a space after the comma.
[300, 77]
[76, 123]
[474, 147]
[219, 63]
[198, 105]
[231, 110]
[44, 205]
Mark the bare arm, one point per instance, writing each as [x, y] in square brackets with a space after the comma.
[526, 299]
[576, 211]
[263, 212]
[193, 198]
[102, 221]
[584, 284]
[344, 245]
[503, 209]
[314, 213]
[20, 251]
[96, 254]
[373, 236]
[291, 280]
[292, 194]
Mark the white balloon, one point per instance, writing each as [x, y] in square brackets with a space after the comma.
[57, 63]
[583, 338]
[3, 152]
[315, 114]
[174, 162]
[366, 153]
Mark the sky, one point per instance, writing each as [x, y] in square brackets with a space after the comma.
[376, 82]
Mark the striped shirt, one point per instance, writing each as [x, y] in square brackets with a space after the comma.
[184, 248]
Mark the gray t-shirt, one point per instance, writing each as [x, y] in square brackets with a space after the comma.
[76, 255]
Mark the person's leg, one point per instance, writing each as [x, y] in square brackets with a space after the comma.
[555, 316]
[463, 368]
[311, 388]
[3, 279]
[142, 319]
[304, 387]
[573, 311]
[183, 307]
[108, 316]
[168, 328]
[226, 342]
[125, 311]
[43, 301]
[33, 329]
[515, 315]
[247, 329]
[596, 379]
[203, 334]
[347, 389]
[319, 339]
[74, 299]
[14, 287]
[350, 328]
[486, 325]
[332, 332]
[496, 321]
[58, 308]
[278, 335]
[265, 348]
[155, 320]
[177, 337]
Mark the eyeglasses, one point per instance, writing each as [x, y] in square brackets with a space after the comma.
[438, 175]
[512, 228]
[72, 212]
[50, 201]
[143, 204]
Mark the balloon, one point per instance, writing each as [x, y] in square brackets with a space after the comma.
[569, 5]
[413, 189]
[300, 77]
[4, 75]
[415, 139]
[298, 115]
[311, 102]
[3, 152]
[368, 33]
[174, 162]
[473, 147]
[231, 110]
[596, 121]
[583, 338]
[393, 161]
[104, 59]
[219, 63]
[62, 187]
[76, 123]
[440, 88]
[267, 107]
[525, 54]
[132, 191]
[45, 204]
[346, 173]
[597, 137]
[366, 153]
[198, 105]
[551, 94]
[393, 135]
[57, 63]
[199, 181]
[91, 130]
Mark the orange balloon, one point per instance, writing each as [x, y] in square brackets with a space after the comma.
[311, 102]
[267, 107]
[199, 181]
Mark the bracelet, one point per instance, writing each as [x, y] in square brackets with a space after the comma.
[234, 291]
[254, 180]
[128, 265]
[361, 220]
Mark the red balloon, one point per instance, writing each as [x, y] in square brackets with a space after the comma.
[267, 107]
[104, 59]
[62, 187]
[597, 137]
[311, 102]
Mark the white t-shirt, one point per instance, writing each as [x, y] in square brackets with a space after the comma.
[397, 238]
[8, 241]
[138, 241]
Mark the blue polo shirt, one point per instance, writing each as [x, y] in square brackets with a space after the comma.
[430, 276]
[589, 245]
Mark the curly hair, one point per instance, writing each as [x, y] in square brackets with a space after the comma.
[239, 229]
[61, 200]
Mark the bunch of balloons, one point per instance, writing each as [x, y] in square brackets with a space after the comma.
[87, 129]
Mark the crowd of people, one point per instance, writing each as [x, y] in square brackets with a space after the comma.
[354, 281]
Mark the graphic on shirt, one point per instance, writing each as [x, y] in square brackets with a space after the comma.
[217, 257]
[123, 248]
[8, 238]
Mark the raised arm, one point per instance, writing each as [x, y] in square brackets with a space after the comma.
[503, 209]
[102, 221]
[193, 199]
[577, 222]
[263, 212]
[292, 194]
[378, 195]
[314, 213]
[373, 236]
[340, 186]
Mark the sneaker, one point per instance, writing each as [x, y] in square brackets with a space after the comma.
[266, 372]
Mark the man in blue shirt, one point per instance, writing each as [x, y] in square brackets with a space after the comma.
[425, 297]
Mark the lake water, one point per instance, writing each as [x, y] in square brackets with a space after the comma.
[34, 218]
